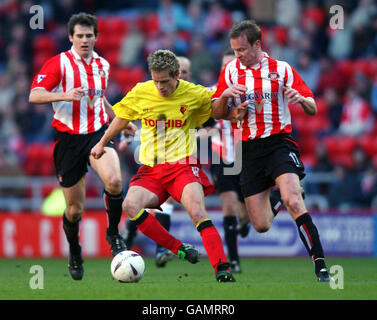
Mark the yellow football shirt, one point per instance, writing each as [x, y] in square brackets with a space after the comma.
[168, 123]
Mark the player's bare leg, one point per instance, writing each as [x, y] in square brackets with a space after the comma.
[108, 169]
[74, 198]
[260, 212]
[291, 193]
[192, 199]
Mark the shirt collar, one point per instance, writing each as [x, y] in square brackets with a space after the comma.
[258, 65]
[78, 57]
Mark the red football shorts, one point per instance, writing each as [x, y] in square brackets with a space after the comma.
[170, 178]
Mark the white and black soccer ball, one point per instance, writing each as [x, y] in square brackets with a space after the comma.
[127, 266]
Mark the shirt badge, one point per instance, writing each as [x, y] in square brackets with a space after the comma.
[183, 108]
[40, 77]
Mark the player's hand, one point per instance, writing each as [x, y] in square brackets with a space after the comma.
[97, 151]
[293, 95]
[234, 91]
[123, 144]
[75, 94]
[130, 130]
[239, 112]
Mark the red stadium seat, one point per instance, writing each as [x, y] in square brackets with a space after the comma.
[369, 144]
[48, 168]
[128, 77]
[33, 159]
[44, 43]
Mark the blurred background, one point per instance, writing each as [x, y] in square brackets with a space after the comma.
[338, 145]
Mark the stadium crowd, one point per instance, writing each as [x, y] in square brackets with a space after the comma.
[339, 66]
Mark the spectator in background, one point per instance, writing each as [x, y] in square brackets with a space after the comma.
[369, 187]
[132, 46]
[330, 76]
[357, 117]
[362, 85]
[323, 164]
[373, 98]
[287, 12]
[196, 17]
[340, 41]
[308, 69]
[172, 16]
[345, 192]
[201, 58]
[334, 109]
[217, 22]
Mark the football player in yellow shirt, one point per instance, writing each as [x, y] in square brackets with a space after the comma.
[170, 109]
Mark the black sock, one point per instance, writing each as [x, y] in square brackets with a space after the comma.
[113, 204]
[230, 234]
[71, 230]
[310, 237]
[275, 201]
[131, 232]
[164, 220]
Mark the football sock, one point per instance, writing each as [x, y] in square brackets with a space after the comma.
[131, 232]
[150, 227]
[71, 230]
[212, 242]
[164, 220]
[113, 204]
[275, 201]
[230, 235]
[310, 237]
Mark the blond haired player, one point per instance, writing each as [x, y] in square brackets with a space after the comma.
[170, 109]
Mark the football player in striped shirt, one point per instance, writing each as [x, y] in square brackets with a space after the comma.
[74, 82]
[262, 88]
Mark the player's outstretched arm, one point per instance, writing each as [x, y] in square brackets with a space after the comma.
[116, 126]
[41, 95]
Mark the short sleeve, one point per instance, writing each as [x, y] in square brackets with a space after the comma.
[128, 108]
[203, 113]
[49, 76]
[295, 81]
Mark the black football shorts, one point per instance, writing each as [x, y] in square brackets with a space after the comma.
[71, 155]
[224, 183]
[263, 160]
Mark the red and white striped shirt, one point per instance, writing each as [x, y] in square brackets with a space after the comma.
[268, 112]
[66, 71]
[223, 143]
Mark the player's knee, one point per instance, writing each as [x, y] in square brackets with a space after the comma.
[73, 213]
[262, 227]
[292, 202]
[130, 207]
[114, 185]
[198, 215]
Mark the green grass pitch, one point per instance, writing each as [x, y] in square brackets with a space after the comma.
[262, 279]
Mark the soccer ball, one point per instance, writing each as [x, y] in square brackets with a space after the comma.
[127, 266]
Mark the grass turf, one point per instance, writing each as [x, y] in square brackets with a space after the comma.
[262, 279]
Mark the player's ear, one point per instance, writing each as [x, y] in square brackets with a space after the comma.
[70, 37]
